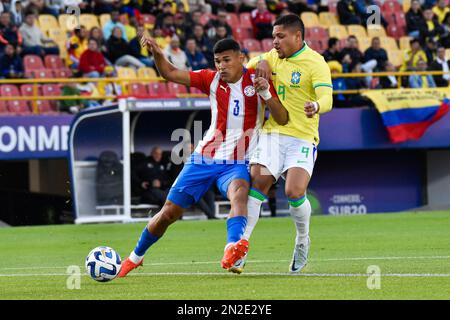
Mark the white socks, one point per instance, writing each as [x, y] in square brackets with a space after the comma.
[255, 200]
[301, 213]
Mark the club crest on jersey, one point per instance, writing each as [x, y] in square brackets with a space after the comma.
[249, 91]
[295, 79]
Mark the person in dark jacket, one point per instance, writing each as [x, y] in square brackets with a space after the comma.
[347, 12]
[332, 53]
[11, 65]
[9, 33]
[414, 19]
[350, 55]
[388, 82]
[375, 52]
[441, 64]
[195, 57]
[137, 51]
[430, 27]
[119, 52]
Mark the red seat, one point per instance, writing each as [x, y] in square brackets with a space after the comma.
[43, 74]
[51, 90]
[315, 44]
[318, 32]
[32, 62]
[137, 89]
[206, 17]
[3, 108]
[400, 19]
[26, 90]
[175, 88]
[332, 6]
[246, 20]
[252, 45]
[267, 44]
[63, 73]
[45, 107]
[396, 32]
[232, 19]
[147, 19]
[15, 106]
[391, 6]
[240, 33]
[53, 61]
[157, 88]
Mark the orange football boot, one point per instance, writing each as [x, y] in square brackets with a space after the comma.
[127, 266]
[234, 252]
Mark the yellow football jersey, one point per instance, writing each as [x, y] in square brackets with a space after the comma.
[296, 79]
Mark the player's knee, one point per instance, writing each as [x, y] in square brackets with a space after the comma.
[239, 193]
[262, 184]
[169, 214]
[295, 193]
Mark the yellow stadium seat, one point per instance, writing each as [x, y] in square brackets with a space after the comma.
[404, 43]
[375, 30]
[388, 43]
[47, 22]
[104, 18]
[356, 30]
[146, 73]
[62, 48]
[57, 34]
[89, 21]
[68, 22]
[447, 54]
[364, 43]
[126, 73]
[338, 31]
[310, 19]
[327, 19]
[406, 5]
[395, 57]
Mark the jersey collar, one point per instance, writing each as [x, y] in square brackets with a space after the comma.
[299, 51]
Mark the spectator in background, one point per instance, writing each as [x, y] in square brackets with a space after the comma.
[221, 20]
[167, 26]
[357, 83]
[131, 28]
[161, 40]
[430, 27]
[430, 50]
[414, 19]
[114, 23]
[119, 52]
[153, 178]
[97, 34]
[180, 27]
[166, 11]
[441, 64]
[196, 17]
[445, 37]
[350, 55]
[262, 21]
[204, 44]
[375, 52]
[70, 106]
[441, 10]
[11, 66]
[195, 57]
[347, 12]
[221, 33]
[17, 12]
[141, 53]
[34, 40]
[332, 52]
[40, 7]
[421, 81]
[413, 56]
[77, 44]
[389, 82]
[92, 63]
[9, 33]
[175, 55]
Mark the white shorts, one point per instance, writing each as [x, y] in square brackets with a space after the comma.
[279, 152]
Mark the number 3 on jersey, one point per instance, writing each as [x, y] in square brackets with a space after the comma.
[236, 108]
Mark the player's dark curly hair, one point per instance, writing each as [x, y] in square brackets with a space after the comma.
[291, 21]
[226, 44]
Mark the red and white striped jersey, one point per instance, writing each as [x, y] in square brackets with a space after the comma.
[237, 115]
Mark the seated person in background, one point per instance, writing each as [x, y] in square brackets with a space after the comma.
[441, 64]
[11, 66]
[153, 178]
[413, 56]
[261, 21]
[357, 83]
[114, 23]
[414, 19]
[346, 10]
[377, 53]
[140, 53]
[92, 63]
[119, 52]
[389, 82]
[332, 52]
[9, 33]
[34, 40]
[78, 43]
[421, 81]
[195, 57]
[175, 55]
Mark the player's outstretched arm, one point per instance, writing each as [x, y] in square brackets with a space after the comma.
[278, 111]
[167, 70]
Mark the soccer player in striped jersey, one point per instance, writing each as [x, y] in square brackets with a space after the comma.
[222, 156]
[303, 82]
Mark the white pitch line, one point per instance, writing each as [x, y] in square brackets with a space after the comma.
[251, 274]
[251, 261]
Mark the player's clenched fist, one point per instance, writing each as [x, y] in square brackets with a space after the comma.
[261, 84]
[263, 70]
[311, 108]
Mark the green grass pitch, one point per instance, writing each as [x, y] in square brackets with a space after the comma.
[412, 251]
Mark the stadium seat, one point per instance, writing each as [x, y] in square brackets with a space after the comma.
[44, 107]
[327, 19]
[43, 74]
[337, 31]
[195, 90]
[47, 22]
[395, 57]
[332, 6]
[447, 54]
[400, 20]
[146, 73]
[356, 30]
[137, 89]
[104, 18]
[391, 6]
[395, 32]
[63, 72]
[53, 61]
[51, 90]
[175, 88]
[89, 21]
[157, 88]
[32, 62]
[26, 90]
[406, 5]
[14, 106]
[58, 35]
[246, 20]
[376, 31]
[388, 43]
[316, 33]
[364, 43]
[252, 45]
[404, 42]
[267, 44]
[233, 19]
[240, 33]
[3, 108]
[206, 17]
[315, 44]
[68, 22]
[310, 19]
[148, 19]
[126, 73]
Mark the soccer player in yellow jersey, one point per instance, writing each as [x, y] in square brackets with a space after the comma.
[302, 80]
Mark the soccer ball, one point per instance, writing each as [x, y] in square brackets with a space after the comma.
[103, 264]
